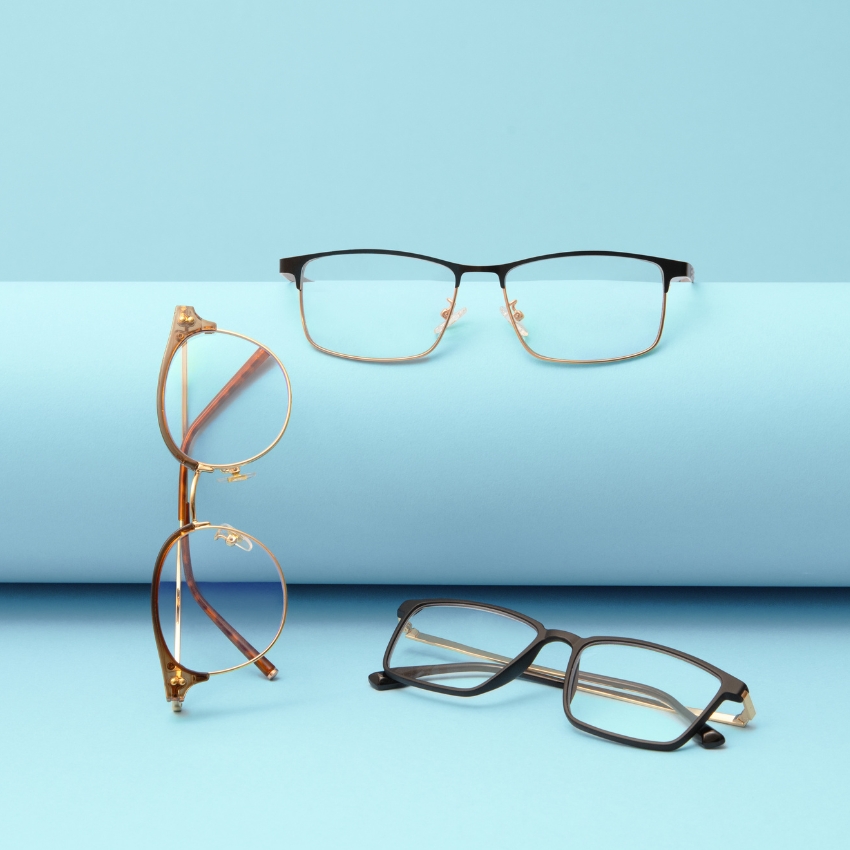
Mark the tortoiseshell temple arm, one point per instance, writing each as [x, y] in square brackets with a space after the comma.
[249, 371]
[590, 683]
[265, 666]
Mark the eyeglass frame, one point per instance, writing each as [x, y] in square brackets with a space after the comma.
[292, 269]
[178, 678]
[730, 688]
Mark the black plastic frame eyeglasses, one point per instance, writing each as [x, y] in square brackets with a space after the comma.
[730, 688]
[292, 268]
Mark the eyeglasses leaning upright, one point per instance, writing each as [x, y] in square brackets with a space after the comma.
[223, 401]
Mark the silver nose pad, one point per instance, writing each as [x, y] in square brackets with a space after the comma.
[449, 318]
[233, 538]
[518, 315]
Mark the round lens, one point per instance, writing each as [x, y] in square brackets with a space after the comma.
[226, 399]
[221, 598]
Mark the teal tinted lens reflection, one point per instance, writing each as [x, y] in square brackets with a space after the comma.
[247, 421]
[588, 307]
[458, 646]
[375, 305]
[638, 692]
[229, 584]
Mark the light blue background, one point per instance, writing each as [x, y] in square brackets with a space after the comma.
[93, 756]
[204, 140]
[720, 458]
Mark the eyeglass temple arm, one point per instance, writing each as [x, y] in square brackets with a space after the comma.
[597, 685]
[265, 666]
[249, 370]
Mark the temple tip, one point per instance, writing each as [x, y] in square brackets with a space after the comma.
[710, 738]
[380, 681]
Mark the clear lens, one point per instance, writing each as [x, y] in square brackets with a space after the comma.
[375, 305]
[232, 599]
[236, 399]
[588, 307]
[458, 646]
[638, 692]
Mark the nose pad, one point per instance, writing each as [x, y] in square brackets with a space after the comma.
[518, 316]
[235, 474]
[233, 538]
[449, 317]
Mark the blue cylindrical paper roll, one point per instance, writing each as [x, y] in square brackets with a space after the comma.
[720, 458]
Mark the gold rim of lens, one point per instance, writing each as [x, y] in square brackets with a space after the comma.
[513, 322]
[170, 354]
[185, 532]
[533, 353]
[370, 359]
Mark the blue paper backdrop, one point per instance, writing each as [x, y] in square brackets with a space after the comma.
[203, 140]
[720, 458]
[332, 763]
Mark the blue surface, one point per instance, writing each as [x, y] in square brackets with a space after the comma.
[720, 458]
[93, 757]
[203, 140]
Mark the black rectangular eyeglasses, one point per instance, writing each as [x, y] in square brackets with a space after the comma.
[625, 690]
[572, 307]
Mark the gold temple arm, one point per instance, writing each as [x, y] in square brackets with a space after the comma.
[590, 683]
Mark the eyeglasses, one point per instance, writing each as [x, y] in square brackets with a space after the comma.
[574, 307]
[221, 397]
[625, 690]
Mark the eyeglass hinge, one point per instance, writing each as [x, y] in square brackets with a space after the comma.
[178, 681]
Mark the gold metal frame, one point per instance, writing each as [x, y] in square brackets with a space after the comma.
[186, 324]
[176, 677]
[514, 320]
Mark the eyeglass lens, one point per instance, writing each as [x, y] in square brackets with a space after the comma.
[639, 692]
[458, 646]
[587, 307]
[226, 399]
[375, 305]
[229, 596]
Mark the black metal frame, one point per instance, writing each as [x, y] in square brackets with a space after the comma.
[291, 267]
[730, 688]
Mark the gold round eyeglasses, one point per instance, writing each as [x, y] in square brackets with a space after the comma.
[223, 401]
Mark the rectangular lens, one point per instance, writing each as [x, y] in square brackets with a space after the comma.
[588, 308]
[458, 646]
[379, 306]
[640, 693]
